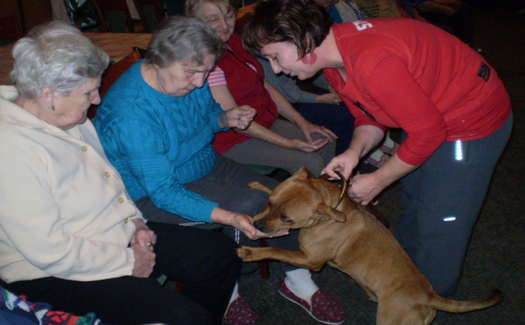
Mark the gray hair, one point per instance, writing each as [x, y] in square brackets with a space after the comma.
[192, 7]
[55, 55]
[180, 38]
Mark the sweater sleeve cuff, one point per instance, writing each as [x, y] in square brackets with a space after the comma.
[203, 213]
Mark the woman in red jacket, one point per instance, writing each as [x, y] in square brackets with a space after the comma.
[238, 79]
[401, 73]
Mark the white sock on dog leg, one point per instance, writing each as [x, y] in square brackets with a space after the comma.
[300, 283]
[235, 292]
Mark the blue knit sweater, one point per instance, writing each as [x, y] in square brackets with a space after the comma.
[159, 142]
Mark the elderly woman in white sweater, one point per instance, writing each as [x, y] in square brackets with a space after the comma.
[69, 233]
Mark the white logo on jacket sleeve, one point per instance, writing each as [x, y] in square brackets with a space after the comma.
[362, 25]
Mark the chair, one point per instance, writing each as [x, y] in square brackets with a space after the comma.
[244, 14]
[12, 26]
[114, 71]
[151, 12]
[115, 16]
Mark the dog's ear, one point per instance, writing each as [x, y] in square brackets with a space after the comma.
[303, 172]
[327, 212]
[260, 187]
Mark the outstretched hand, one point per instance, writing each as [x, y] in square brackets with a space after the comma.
[240, 221]
[328, 98]
[307, 147]
[310, 128]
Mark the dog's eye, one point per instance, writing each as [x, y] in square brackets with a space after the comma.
[284, 219]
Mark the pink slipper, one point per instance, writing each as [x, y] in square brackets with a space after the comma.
[323, 308]
[390, 150]
[378, 163]
[239, 312]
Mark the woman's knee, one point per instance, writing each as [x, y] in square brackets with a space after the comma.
[254, 203]
[223, 251]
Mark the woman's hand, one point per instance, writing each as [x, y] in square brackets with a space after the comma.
[329, 98]
[310, 128]
[344, 163]
[143, 235]
[308, 147]
[238, 117]
[365, 187]
[240, 221]
[144, 261]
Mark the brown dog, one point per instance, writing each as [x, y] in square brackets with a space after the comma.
[352, 240]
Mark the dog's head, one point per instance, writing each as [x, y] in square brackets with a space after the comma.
[299, 202]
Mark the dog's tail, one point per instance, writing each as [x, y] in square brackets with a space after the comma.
[456, 306]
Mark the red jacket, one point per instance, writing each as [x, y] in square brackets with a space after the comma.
[411, 75]
[247, 88]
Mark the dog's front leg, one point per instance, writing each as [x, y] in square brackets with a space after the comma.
[297, 258]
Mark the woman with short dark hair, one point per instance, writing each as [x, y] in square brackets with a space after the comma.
[401, 73]
[238, 79]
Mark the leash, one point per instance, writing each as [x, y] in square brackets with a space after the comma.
[344, 183]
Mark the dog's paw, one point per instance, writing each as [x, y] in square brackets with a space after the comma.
[245, 253]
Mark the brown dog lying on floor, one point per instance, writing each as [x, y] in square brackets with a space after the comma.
[352, 240]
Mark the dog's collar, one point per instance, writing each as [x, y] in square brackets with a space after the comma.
[344, 186]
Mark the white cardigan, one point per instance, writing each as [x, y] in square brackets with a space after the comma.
[64, 210]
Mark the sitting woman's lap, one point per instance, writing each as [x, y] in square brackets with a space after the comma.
[206, 263]
[227, 184]
[254, 151]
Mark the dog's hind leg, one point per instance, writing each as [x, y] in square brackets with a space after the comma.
[403, 313]
[297, 258]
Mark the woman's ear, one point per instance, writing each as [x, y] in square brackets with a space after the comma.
[48, 96]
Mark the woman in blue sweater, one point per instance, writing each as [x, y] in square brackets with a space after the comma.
[156, 124]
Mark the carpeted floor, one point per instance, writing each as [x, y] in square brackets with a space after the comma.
[496, 257]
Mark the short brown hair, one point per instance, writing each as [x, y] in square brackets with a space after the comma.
[292, 21]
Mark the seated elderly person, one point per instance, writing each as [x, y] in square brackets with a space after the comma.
[157, 123]
[69, 233]
[239, 79]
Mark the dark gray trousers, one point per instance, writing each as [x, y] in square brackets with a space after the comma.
[227, 184]
[441, 203]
